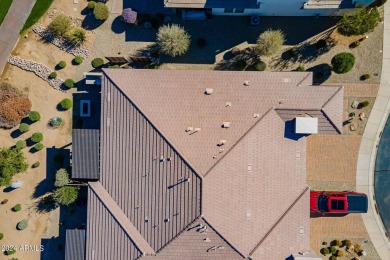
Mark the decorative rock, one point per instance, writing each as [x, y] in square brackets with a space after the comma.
[147, 25]
[362, 116]
[352, 127]
[355, 104]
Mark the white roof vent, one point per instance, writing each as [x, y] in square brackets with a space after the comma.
[197, 129]
[246, 83]
[190, 128]
[281, 101]
[222, 142]
[286, 80]
[256, 115]
[306, 125]
[209, 91]
[226, 124]
[228, 104]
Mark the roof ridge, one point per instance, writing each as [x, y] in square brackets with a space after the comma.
[279, 219]
[113, 208]
[323, 109]
[334, 94]
[305, 78]
[238, 141]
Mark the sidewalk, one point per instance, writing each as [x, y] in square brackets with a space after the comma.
[9, 29]
[368, 149]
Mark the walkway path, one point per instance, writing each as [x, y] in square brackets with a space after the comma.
[368, 149]
[9, 29]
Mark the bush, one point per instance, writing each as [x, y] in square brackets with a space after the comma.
[66, 103]
[39, 146]
[365, 76]
[22, 224]
[363, 104]
[1, 236]
[53, 75]
[240, 65]
[332, 250]
[322, 43]
[339, 253]
[12, 162]
[34, 116]
[66, 195]
[10, 252]
[343, 62]
[36, 164]
[325, 251]
[62, 178]
[62, 64]
[78, 60]
[23, 127]
[357, 248]
[333, 257]
[260, 66]
[37, 137]
[91, 4]
[60, 25]
[201, 42]
[337, 242]
[21, 144]
[77, 36]
[300, 68]
[270, 42]
[173, 40]
[114, 66]
[100, 11]
[361, 22]
[97, 63]
[17, 208]
[56, 121]
[352, 114]
[69, 83]
[4, 201]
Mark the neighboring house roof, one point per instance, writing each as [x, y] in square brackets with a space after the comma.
[243, 4]
[75, 244]
[85, 154]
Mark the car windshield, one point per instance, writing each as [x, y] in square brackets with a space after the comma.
[322, 203]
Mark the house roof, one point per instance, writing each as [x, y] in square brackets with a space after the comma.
[75, 244]
[85, 149]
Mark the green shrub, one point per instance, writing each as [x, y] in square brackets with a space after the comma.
[91, 4]
[23, 127]
[240, 65]
[36, 164]
[39, 146]
[78, 60]
[365, 76]
[17, 208]
[270, 42]
[1, 236]
[114, 66]
[22, 224]
[337, 242]
[260, 66]
[4, 201]
[60, 25]
[339, 253]
[10, 252]
[173, 40]
[21, 144]
[66, 103]
[97, 63]
[300, 68]
[53, 75]
[56, 121]
[325, 251]
[343, 62]
[62, 64]
[66, 195]
[357, 248]
[101, 11]
[62, 178]
[352, 114]
[12, 161]
[34, 116]
[77, 36]
[362, 21]
[37, 137]
[69, 83]
[332, 249]
[363, 104]
[333, 257]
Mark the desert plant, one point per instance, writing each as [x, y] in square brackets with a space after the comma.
[22, 224]
[23, 127]
[69, 83]
[62, 64]
[78, 60]
[352, 114]
[66, 104]
[300, 68]
[12, 161]
[34, 116]
[56, 121]
[39, 146]
[1, 236]
[332, 250]
[10, 252]
[365, 76]
[36, 164]
[101, 11]
[17, 208]
[97, 63]
[201, 42]
[260, 66]
[21, 144]
[53, 75]
[339, 253]
[91, 4]
[343, 62]
[66, 195]
[77, 36]
[60, 25]
[4, 201]
[37, 137]
[362, 21]
[347, 242]
[363, 104]
[270, 42]
[325, 251]
[322, 43]
[357, 248]
[240, 65]
[173, 40]
[116, 66]
[62, 178]
[337, 242]
[333, 257]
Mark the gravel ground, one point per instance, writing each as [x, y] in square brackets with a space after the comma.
[365, 244]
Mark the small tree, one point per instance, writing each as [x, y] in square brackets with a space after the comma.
[36, 164]
[62, 64]
[66, 103]
[66, 195]
[60, 24]
[361, 22]
[53, 75]
[39, 146]
[34, 116]
[97, 63]
[22, 224]
[62, 178]
[12, 161]
[101, 11]
[270, 42]
[69, 83]
[23, 127]
[20, 144]
[343, 62]
[78, 60]
[77, 36]
[17, 208]
[37, 137]
[173, 40]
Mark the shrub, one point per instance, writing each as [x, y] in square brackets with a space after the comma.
[36, 164]
[348, 243]
[17, 208]
[12, 162]
[23, 127]
[91, 4]
[60, 25]
[100, 11]
[235, 51]
[4, 201]
[332, 250]
[22, 224]
[77, 36]
[10, 252]
[173, 40]
[56, 121]
[357, 248]
[333, 257]
[66, 103]
[34, 116]
[97, 63]
[300, 68]
[325, 251]
[240, 65]
[1, 236]
[365, 76]
[322, 43]
[21, 144]
[66, 195]
[39, 146]
[78, 60]
[361, 22]
[201, 42]
[270, 42]
[260, 66]
[37, 137]
[62, 178]
[339, 253]
[62, 64]
[69, 83]
[343, 62]
[363, 104]
[337, 242]
[53, 75]
[114, 66]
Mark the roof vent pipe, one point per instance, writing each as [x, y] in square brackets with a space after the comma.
[256, 115]
[226, 124]
[209, 91]
[246, 83]
[197, 129]
[190, 128]
[228, 104]
[222, 142]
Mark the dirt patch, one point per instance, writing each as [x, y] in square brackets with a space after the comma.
[344, 40]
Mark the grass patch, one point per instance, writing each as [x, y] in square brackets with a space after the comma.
[4, 7]
[39, 9]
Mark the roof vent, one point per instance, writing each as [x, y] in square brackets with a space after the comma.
[146, 220]
[221, 150]
[207, 239]
[256, 115]
[190, 128]
[246, 83]
[166, 220]
[281, 101]
[197, 129]
[301, 230]
[228, 104]
[162, 159]
[169, 159]
[286, 80]
[226, 124]
[209, 91]
[222, 142]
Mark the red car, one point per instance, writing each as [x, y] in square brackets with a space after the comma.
[338, 202]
